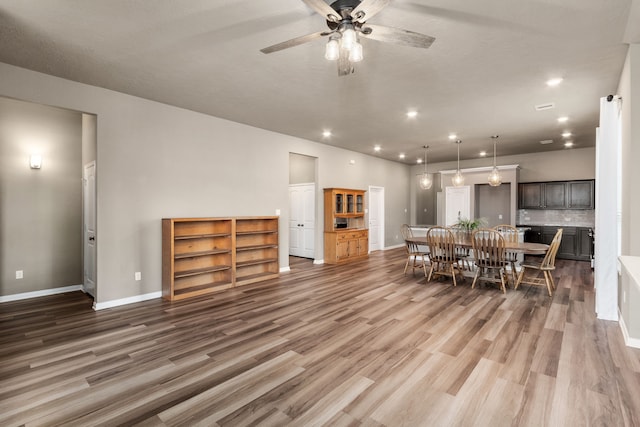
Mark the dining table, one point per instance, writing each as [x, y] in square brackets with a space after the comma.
[463, 240]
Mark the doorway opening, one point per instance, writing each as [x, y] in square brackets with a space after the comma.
[493, 203]
[376, 218]
[302, 206]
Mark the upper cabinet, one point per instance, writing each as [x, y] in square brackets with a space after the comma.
[581, 194]
[343, 208]
[557, 195]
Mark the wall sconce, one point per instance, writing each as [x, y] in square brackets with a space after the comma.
[35, 161]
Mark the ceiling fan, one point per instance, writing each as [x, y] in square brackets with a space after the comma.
[346, 20]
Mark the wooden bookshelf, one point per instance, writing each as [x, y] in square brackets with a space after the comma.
[256, 249]
[204, 255]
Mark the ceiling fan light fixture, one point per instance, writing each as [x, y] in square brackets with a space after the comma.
[332, 49]
[355, 54]
[349, 38]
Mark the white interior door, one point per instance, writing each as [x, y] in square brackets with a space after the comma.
[376, 218]
[302, 220]
[457, 204]
[89, 227]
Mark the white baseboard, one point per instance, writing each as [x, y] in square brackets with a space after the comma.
[42, 293]
[318, 261]
[124, 301]
[285, 269]
[630, 342]
[401, 245]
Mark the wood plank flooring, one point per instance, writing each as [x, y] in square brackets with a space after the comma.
[358, 344]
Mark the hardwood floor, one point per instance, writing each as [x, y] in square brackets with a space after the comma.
[358, 344]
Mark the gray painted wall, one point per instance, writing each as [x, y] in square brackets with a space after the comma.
[302, 169]
[40, 210]
[157, 161]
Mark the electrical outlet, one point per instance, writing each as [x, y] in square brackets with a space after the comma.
[499, 216]
[19, 274]
[138, 275]
[277, 212]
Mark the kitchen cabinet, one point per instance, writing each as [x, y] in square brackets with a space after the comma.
[569, 243]
[531, 195]
[585, 243]
[533, 235]
[581, 194]
[575, 244]
[556, 195]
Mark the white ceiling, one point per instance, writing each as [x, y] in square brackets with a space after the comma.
[482, 76]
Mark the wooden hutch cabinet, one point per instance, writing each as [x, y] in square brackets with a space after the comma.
[345, 235]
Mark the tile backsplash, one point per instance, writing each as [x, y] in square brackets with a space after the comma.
[568, 217]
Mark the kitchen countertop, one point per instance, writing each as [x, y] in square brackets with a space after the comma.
[558, 224]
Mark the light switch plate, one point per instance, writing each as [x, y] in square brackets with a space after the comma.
[19, 274]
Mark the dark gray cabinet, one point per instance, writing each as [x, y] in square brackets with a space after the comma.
[556, 195]
[531, 195]
[585, 243]
[581, 194]
[576, 242]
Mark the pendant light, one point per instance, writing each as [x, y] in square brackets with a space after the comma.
[458, 178]
[425, 179]
[494, 178]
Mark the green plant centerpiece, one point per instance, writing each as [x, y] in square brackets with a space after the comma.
[469, 225]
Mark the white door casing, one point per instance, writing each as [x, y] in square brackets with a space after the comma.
[302, 220]
[89, 228]
[376, 218]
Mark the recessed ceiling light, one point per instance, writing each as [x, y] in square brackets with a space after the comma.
[418, 161]
[546, 141]
[377, 148]
[554, 82]
[453, 136]
[483, 154]
[412, 113]
[401, 155]
[563, 119]
[326, 133]
[566, 134]
[568, 144]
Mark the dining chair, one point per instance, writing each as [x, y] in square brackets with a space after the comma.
[530, 270]
[442, 253]
[489, 252]
[463, 254]
[413, 251]
[510, 234]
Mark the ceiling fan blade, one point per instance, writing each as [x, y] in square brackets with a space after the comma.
[323, 9]
[294, 42]
[368, 9]
[397, 36]
[344, 65]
